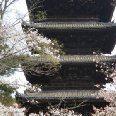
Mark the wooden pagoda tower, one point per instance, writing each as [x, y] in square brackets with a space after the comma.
[85, 29]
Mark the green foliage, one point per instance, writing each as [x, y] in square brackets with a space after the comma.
[3, 47]
[40, 69]
[40, 15]
[44, 65]
[12, 61]
[5, 95]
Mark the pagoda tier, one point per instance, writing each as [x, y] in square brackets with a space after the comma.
[35, 102]
[76, 72]
[78, 37]
[96, 10]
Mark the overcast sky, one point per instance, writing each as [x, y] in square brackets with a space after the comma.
[16, 11]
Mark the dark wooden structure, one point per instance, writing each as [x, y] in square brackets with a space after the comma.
[84, 27]
[77, 10]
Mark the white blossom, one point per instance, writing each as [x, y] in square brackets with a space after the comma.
[41, 44]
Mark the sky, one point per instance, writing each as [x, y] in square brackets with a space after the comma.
[16, 11]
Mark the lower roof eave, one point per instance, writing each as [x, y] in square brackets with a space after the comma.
[68, 95]
[78, 59]
[68, 99]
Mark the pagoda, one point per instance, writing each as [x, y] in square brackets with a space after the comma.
[85, 29]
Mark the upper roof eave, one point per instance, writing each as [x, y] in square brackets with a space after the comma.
[70, 25]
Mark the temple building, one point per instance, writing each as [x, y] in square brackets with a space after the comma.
[85, 29]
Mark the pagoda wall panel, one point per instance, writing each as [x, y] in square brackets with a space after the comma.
[85, 42]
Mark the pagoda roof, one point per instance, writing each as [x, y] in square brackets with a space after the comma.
[103, 9]
[63, 94]
[48, 26]
[79, 58]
